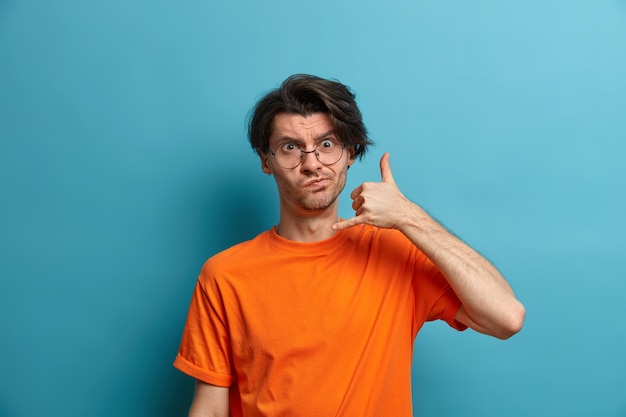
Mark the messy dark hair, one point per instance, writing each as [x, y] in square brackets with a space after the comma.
[307, 94]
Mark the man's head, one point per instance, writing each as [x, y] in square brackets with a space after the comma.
[306, 95]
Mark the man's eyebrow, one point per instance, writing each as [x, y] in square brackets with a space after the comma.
[325, 134]
[288, 139]
[317, 137]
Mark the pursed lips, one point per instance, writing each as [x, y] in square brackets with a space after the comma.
[317, 181]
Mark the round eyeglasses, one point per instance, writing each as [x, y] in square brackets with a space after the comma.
[289, 155]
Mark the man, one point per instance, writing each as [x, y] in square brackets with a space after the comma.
[317, 316]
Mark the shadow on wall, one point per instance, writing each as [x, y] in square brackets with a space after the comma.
[4, 5]
[147, 383]
[229, 205]
[4, 411]
[237, 206]
[216, 206]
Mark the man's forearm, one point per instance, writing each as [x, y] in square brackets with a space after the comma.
[487, 298]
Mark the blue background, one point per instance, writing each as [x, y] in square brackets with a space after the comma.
[124, 165]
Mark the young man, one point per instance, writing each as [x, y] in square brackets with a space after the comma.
[317, 316]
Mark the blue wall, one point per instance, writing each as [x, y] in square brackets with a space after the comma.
[124, 165]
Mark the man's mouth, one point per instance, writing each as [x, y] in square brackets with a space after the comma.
[317, 182]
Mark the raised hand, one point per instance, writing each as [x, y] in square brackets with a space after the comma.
[379, 204]
[488, 302]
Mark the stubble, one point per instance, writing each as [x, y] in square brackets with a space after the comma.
[315, 200]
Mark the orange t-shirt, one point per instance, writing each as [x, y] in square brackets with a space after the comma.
[314, 329]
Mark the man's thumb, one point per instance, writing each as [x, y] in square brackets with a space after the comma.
[385, 168]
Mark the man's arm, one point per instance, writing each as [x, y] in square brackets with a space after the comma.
[209, 401]
[488, 302]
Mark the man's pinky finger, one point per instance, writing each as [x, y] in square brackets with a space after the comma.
[346, 224]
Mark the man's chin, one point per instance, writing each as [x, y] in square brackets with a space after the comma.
[317, 204]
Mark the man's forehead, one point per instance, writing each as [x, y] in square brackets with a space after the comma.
[297, 126]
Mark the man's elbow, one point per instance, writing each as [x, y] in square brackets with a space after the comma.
[513, 321]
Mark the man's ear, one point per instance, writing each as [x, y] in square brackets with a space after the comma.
[265, 163]
[351, 157]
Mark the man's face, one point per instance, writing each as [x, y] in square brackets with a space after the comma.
[311, 186]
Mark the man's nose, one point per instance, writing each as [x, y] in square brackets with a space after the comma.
[310, 161]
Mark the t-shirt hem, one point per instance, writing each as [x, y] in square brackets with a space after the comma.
[203, 375]
[452, 321]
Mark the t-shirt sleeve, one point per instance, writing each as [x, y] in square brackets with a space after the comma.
[205, 348]
[434, 297]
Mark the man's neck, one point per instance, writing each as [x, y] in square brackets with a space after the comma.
[313, 228]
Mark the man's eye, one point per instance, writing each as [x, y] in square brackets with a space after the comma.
[289, 147]
[327, 144]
